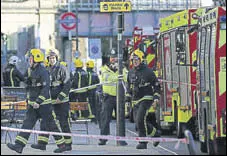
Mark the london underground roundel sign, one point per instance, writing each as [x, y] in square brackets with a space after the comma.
[68, 20]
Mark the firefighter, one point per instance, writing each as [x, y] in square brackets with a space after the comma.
[11, 75]
[143, 89]
[109, 76]
[59, 89]
[79, 80]
[39, 103]
[92, 80]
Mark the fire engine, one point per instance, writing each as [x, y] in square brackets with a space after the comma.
[176, 51]
[211, 80]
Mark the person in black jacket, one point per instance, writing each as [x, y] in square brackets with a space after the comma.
[60, 85]
[39, 103]
[143, 89]
[11, 75]
[93, 79]
[79, 79]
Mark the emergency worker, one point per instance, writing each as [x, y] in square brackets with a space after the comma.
[59, 89]
[109, 76]
[143, 89]
[92, 80]
[11, 75]
[79, 79]
[39, 103]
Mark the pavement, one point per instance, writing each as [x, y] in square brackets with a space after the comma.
[85, 146]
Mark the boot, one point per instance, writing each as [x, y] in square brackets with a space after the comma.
[157, 134]
[68, 147]
[141, 145]
[39, 146]
[156, 143]
[15, 147]
[102, 142]
[60, 149]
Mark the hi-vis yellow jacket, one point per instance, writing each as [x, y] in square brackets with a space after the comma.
[110, 79]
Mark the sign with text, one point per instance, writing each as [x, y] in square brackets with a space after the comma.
[115, 6]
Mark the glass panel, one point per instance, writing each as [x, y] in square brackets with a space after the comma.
[181, 49]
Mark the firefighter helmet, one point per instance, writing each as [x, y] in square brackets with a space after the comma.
[78, 63]
[90, 64]
[37, 55]
[52, 52]
[13, 60]
[139, 54]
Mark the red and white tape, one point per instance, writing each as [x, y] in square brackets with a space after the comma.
[108, 137]
[183, 83]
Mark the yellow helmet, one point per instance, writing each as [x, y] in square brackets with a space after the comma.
[78, 63]
[37, 55]
[90, 64]
[63, 63]
[138, 53]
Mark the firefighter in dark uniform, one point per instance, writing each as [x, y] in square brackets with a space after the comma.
[59, 88]
[92, 80]
[109, 76]
[143, 89]
[39, 103]
[11, 75]
[79, 79]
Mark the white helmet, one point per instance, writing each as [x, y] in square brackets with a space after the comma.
[13, 60]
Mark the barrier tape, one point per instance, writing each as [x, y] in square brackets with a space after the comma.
[108, 137]
[189, 84]
[12, 103]
[91, 86]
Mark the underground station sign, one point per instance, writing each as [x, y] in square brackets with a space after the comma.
[68, 20]
[115, 6]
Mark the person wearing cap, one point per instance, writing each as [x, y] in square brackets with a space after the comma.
[60, 85]
[143, 89]
[92, 80]
[79, 80]
[11, 75]
[109, 76]
[39, 103]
